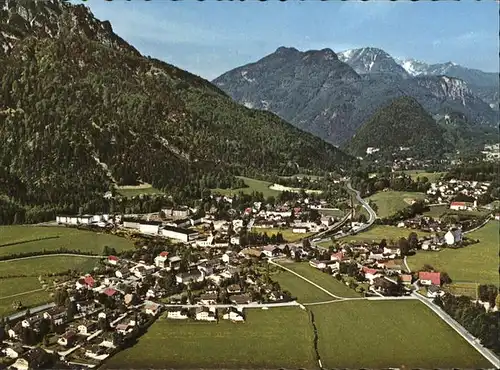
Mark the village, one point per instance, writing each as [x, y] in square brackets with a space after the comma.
[202, 268]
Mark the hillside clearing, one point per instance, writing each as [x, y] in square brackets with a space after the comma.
[288, 234]
[390, 202]
[253, 186]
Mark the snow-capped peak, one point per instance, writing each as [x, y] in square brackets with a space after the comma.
[371, 60]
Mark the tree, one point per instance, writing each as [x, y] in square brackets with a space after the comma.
[306, 243]
[413, 240]
[383, 243]
[404, 246]
[445, 278]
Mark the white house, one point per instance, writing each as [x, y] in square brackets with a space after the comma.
[178, 314]
[161, 259]
[206, 313]
[434, 291]
[188, 277]
[87, 327]
[235, 240]
[151, 308]
[453, 236]
[234, 315]
[300, 230]
[226, 257]
[208, 299]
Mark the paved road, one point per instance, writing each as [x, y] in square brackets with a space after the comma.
[365, 205]
[474, 342]
[23, 293]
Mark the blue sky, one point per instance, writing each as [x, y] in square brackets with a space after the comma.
[209, 38]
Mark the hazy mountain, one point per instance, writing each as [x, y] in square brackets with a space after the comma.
[318, 92]
[81, 111]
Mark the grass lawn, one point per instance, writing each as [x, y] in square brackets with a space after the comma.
[287, 233]
[331, 212]
[11, 286]
[474, 263]
[60, 237]
[299, 288]
[253, 185]
[462, 288]
[28, 300]
[389, 202]
[432, 176]
[45, 265]
[436, 211]
[440, 211]
[378, 232]
[361, 334]
[132, 191]
[275, 338]
[322, 279]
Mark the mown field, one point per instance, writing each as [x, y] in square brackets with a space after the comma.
[288, 235]
[132, 191]
[299, 288]
[37, 238]
[440, 211]
[43, 265]
[390, 202]
[379, 232]
[404, 334]
[253, 185]
[432, 176]
[324, 280]
[269, 339]
[27, 300]
[474, 263]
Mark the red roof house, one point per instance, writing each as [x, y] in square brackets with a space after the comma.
[339, 256]
[406, 279]
[429, 278]
[89, 280]
[113, 260]
[109, 292]
[164, 254]
[367, 270]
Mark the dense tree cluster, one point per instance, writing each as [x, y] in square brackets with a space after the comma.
[473, 317]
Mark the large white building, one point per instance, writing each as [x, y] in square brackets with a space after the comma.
[178, 233]
[149, 227]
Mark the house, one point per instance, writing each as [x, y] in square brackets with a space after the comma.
[320, 265]
[178, 314]
[123, 328]
[370, 273]
[391, 266]
[67, 339]
[226, 257]
[406, 279]
[89, 281]
[122, 273]
[392, 251]
[188, 277]
[57, 314]
[14, 351]
[113, 260]
[184, 235]
[161, 259]
[36, 358]
[327, 220]
[234, 289]
[300, 230]
[206, 313]
[235, 240]
[339, 256]
[271, 251]
[110, 292]
[429, 278]
[434, 291]
[233, 314]
[15, 331]
[87, 327]
[151, 308]
[453, 236]
[85, 306]
[461, 206]
[174, 262]
[382, 285]
[208, 299]
[240, 299]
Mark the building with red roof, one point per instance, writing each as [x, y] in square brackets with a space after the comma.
[113, 260]
[89, 281]
[339, 256]
[110, 292]
[429, 278]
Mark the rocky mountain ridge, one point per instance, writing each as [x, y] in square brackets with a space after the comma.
[329, 98]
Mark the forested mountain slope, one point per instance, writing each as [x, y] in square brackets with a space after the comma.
[81, 111]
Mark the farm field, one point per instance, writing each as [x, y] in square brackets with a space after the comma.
[42, 265]
[439, 211]
[37, 238]
[28, 300]
[462, 288]
[379, 232]
[17, 285]
[253, 185]
[389, 202]
[279, 337]
[361, 334]
[132, 191]
[288, 235]
[432, 176]
[474, 263]
[324, 280]
[299, 288]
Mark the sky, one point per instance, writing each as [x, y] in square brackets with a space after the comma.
[211, 37]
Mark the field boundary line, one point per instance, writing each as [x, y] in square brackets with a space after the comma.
[54, 254]
[23, 293]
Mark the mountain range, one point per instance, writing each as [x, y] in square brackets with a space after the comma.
[82, 111]
[332, 95]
